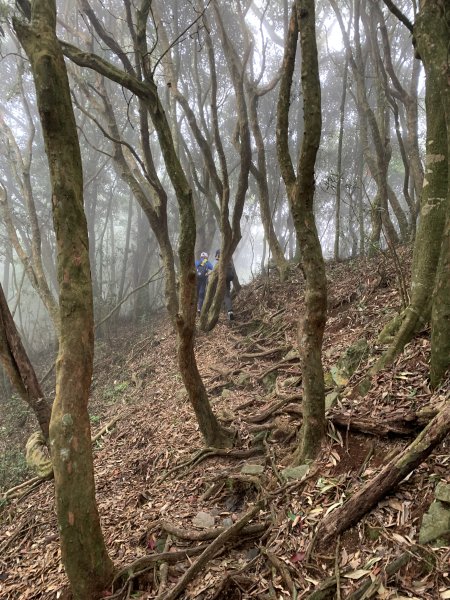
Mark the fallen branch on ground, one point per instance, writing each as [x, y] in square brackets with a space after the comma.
[109, 425]
[369, 587]
[375, 427]
[362, 501]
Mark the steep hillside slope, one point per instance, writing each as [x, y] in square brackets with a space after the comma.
[163, 498]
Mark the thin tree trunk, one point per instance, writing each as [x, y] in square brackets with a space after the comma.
[337, 225]
[301, 197]
[183, 313]
[20, 371]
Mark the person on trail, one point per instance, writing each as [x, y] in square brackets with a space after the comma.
[202, 268]
[229, 278]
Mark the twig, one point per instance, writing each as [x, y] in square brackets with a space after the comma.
[133, 291]
[282, 568]
[370, 587]
[209, 553]
[111, 423]
[337, 571]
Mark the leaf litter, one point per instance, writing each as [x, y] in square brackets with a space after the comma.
[149, 470]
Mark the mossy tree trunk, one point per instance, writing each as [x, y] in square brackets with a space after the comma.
[83, 550]
[431, 246]
[19, 369]
[300, 189]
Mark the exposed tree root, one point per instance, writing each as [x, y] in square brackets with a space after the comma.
[406, 327]
[369, 587]
[209, 553]
[205, 453]
[264, 353]
[209, 534]
[268, 412]
[278, 365]
[284, 572]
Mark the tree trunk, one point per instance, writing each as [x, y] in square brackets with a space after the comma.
[260, 174]
[440, 315]
[337, 224]
[83, 550]
[20, 371]
[301, 198]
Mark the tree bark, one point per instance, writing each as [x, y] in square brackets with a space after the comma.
[84, 554]
[337, 224]
[301, 198]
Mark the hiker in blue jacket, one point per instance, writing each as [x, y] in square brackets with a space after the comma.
[203, 268]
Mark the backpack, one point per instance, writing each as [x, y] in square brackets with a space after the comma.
[202, 269]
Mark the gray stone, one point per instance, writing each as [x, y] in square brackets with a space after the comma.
[269, 381]
[352, 357]
[227, 522]
[243, 379]
[331, 399]
[291, 354]
[435, 525]
[252, 553]
[252, 469]
[349, 362]
[442, 492]
[203, 520]
[295, 472]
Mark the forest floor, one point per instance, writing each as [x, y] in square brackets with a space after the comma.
[158, 492]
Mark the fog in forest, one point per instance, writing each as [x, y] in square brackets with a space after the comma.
[124, 168]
